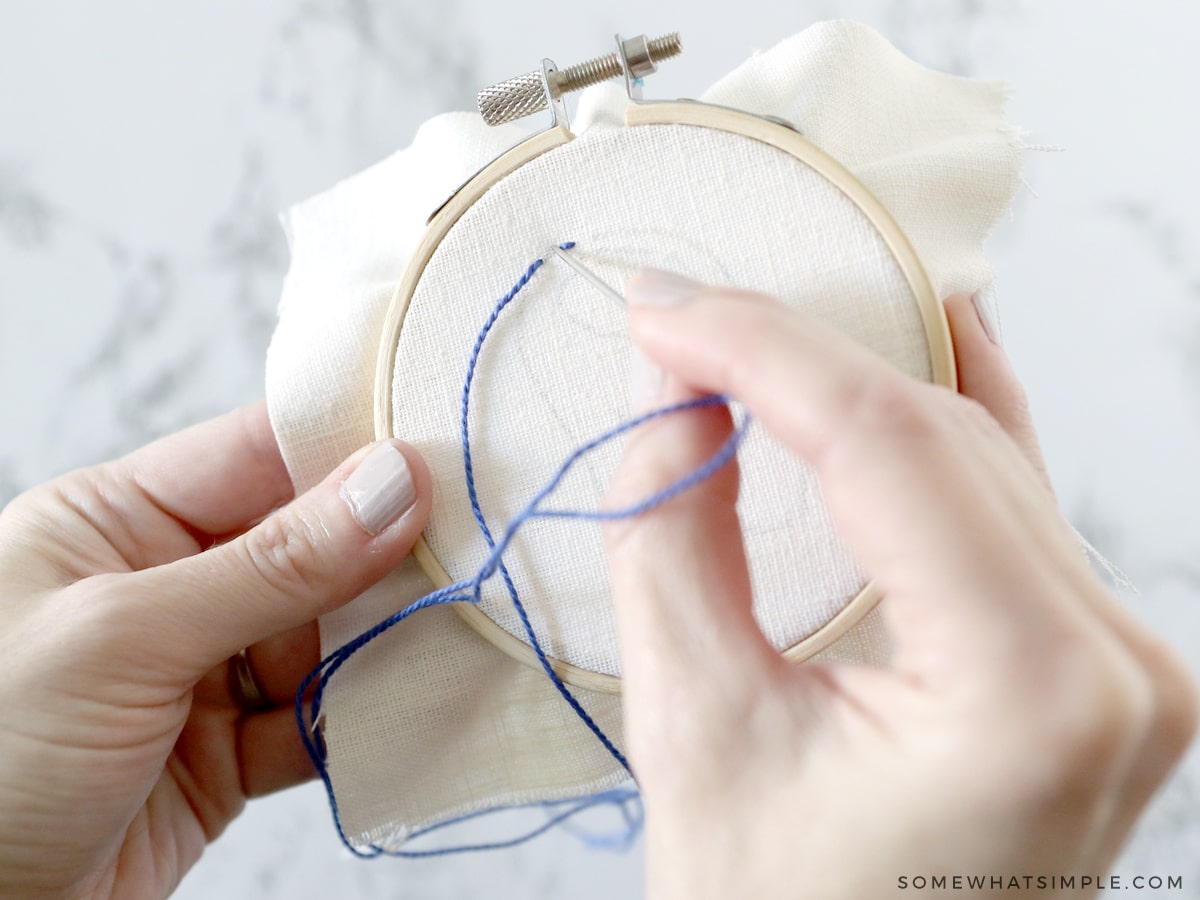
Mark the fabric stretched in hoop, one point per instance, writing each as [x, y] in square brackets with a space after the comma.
[435, 721]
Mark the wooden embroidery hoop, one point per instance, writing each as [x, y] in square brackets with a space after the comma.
[640, 114]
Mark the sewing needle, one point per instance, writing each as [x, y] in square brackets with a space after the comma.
[587, 273]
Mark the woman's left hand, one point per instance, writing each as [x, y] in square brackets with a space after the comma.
[127, 591]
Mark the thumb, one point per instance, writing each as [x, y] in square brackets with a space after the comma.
[986, 376]
[310, 557]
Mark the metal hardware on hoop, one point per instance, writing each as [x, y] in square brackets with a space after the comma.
[524, 95]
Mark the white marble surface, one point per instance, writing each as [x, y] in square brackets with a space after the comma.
[145, 149]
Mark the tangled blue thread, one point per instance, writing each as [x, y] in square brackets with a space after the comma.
[470, 591]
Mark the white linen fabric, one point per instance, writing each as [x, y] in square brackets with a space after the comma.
[431, 720]
[554, 374]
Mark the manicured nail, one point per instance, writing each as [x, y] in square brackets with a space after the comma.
[984, 301]
[645, 382]
[654, 287]
[381, 489]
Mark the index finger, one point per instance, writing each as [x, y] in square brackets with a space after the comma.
[928, 492]
[217, 477]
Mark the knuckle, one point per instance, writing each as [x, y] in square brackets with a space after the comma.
[29, 505]
[891, 404]
[284, 551]
[1103, 715]
[38, 528]
[1094, 715]
[891, 408]
[1177, 707]
[1134, 711]
[85, 495]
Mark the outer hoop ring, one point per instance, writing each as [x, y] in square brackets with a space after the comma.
[933, 317]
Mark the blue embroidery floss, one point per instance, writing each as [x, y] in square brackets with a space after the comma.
[469, 591]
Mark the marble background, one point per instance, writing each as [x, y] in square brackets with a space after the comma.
[146, 149]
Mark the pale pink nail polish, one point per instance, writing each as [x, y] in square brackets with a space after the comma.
[984, 301]
[381, 489]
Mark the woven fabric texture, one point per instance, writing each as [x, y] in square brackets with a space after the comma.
[554, 375]
[432, 720]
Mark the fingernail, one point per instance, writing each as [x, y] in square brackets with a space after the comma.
[654, 287]
[645, 381]
[381, 489]
[984, 301]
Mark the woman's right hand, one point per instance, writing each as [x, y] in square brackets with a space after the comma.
[1027, 717]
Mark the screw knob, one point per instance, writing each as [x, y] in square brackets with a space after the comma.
[524, 95]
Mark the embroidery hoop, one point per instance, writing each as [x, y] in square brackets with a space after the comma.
[632, 59]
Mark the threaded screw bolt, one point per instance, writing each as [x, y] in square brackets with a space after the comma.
[525, 95]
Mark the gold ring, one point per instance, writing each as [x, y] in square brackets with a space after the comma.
[244, 687]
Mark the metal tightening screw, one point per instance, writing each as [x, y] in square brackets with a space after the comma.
[525, 95]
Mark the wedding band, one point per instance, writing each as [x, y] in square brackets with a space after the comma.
[243, 686]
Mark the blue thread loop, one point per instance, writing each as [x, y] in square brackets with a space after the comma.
[470, 591]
